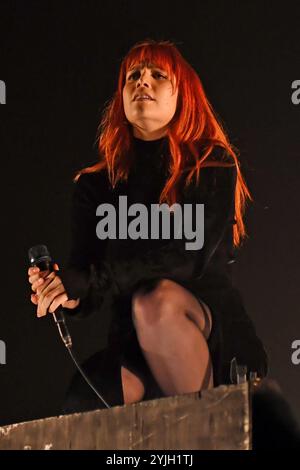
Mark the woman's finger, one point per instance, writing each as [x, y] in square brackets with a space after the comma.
[33, 270]
[41, 284]
[47, 300]
[34, 299]
[34, 278]
[48, 286]
[37, 284]
[59, 300]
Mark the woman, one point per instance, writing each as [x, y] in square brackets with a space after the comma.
[177, 320]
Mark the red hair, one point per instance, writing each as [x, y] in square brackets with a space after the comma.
[193, 132]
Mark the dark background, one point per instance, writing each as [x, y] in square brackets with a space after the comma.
[59, 60]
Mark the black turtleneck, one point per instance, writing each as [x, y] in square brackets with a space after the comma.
[151, 155]
[148, 147]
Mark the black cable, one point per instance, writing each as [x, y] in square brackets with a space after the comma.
[64, 333]
[69, 348]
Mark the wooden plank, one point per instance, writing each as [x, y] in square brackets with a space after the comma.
[219, 419]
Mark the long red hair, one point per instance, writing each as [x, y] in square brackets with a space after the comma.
[192, 134]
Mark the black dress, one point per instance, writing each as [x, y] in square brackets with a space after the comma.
[110, 271]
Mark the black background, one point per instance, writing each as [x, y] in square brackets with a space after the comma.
[59, 60]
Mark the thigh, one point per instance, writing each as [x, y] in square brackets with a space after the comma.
[194, 308]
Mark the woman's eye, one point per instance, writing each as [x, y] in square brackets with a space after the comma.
[159, 75]
[134, 76]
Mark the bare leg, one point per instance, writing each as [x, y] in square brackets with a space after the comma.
[133, 387]
[172, 329]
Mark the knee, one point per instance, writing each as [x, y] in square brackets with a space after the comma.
[155, 306]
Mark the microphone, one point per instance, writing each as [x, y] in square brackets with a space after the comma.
[39, 256]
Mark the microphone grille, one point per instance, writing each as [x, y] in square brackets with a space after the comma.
[38, 252]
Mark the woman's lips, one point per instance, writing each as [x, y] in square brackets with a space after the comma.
[143, 97]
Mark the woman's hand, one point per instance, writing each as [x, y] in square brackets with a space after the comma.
[49, 291]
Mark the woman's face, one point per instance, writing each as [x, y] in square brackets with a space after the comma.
[149, 101]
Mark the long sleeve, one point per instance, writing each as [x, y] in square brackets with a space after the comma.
[219, 207]
[85, 276]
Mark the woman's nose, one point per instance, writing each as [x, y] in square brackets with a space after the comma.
[143, 82]
[144, 79]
